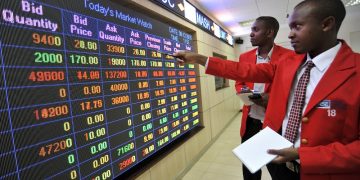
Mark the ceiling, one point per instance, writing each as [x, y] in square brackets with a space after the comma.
[230, 12]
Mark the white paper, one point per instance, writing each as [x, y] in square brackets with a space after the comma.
[244, 97]
[253, 152]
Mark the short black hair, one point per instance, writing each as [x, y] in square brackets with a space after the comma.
[326, 8]
[270, 23]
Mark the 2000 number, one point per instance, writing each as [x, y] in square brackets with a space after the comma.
[43, 57]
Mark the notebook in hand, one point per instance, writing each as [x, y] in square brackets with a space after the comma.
[253, 152]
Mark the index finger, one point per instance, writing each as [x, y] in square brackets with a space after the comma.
[178, 53]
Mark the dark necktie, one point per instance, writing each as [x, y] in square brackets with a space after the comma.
[298, 104]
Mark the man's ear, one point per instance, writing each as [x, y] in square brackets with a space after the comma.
[270, 33]
[328, 24]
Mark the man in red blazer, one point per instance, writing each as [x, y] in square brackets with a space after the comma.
[327, 145]
[263, 33]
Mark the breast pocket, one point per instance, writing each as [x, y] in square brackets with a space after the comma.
[332, 108]
[330, 117]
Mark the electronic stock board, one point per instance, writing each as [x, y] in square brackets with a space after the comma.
[87, 90]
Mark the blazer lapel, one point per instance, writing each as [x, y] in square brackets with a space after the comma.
[339, 71]
[252, 57]
[275, 56]
[291, 70]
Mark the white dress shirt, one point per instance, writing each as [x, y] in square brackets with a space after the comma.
[322, 63]
[256, 111]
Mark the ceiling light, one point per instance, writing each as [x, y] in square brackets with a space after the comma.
[351, 2]
[247, 23]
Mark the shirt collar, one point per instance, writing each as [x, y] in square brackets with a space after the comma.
[323, 60]
[269, 54]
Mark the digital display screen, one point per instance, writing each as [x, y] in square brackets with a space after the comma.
[189, 12]
[86, 89]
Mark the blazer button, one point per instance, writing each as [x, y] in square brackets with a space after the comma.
[304, 141]
[305, 119]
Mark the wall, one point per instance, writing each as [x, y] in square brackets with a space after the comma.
[217, 107]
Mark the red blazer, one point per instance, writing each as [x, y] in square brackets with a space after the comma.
[330, 128]
[278, 53]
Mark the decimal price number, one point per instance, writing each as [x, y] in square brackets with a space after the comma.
[184, 104]
[163, 130]
[175, 123]
[148, 137]
[138, 63]
[147, 127]
[101, 161]
[46, 76]
[80, 44]
[173, 98]
[88, 90]
[146, 116]
[171, 73]
[158, 73]
[191, 73]
[98, 118]
[175, 115]
[88, 105]
[185, 118]
[163, 120]
[174, 107]
[161, 111]
[181, 73]
[46, 39]
[172, 90]
[143, 95]
[139, 52]
[161, 102]
[143, 84]
[159, 83]
[186, 127]
[184, 111]
[169, 64]
[155, 54]
[183, 96]
[85, 75]
[55, 147]
[145, 106]
[80, 59]
[172, 81]
[163, 141]
[148, 150]
[95, 134]
[156, 64]
[141, 74]
[191, 80]
[183, 88]
[98, 148]
[105, 175]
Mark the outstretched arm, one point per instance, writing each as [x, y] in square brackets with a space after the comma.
[190, 58]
